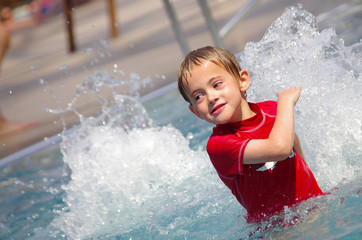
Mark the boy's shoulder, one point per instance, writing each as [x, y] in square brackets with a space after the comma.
[268, 107]
[226, 135]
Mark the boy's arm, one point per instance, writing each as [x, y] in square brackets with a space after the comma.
[281, 138]
[298, 147]
[4, 40]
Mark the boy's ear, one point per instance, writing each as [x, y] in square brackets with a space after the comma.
[244, 80]
[194, 111]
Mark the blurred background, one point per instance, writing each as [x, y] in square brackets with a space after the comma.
[56, 44]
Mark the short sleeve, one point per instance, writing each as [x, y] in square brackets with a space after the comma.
[269, 107]
[226, 153]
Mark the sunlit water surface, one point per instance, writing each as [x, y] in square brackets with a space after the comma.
[140, 171]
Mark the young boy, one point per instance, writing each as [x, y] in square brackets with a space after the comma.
[253, 147]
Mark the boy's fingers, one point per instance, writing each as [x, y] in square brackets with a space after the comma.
[292, 91]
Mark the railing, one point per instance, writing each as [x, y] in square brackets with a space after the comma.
[69, 22]
[216, 35]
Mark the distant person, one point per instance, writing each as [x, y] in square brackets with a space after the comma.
[11, 24]
[44, 9]
[8, 127]
[253, 147]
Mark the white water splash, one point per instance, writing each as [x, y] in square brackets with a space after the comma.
[127, 178]
[329, 112]
[130, 178]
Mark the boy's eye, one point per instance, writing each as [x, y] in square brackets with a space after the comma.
[197, 97]
[217, 84]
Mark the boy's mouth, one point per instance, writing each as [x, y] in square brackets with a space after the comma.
[217, 109]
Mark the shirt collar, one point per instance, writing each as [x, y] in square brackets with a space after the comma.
[246, 124]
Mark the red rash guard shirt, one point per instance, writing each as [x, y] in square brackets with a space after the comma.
[262, 189]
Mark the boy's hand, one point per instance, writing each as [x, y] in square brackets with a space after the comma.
[281, 138]
[290, 94]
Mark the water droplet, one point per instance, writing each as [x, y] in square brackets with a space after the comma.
[122, 73]
[63, 67]
[41, 81]
[190, 136]
[103, 42]
[46, 109]
[134, 76]
[88, 50]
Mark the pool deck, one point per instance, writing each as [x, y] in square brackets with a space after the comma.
[39, 73]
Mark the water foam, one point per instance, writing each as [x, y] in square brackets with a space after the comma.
[130, 178]
[329, 113]
[122, 180]
[127, 174]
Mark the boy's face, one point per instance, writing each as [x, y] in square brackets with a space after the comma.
[215, 94]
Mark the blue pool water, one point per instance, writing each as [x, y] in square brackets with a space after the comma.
[140, 170]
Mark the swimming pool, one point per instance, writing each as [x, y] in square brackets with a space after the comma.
[140, 170]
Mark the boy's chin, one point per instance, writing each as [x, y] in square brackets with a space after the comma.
[217, 121]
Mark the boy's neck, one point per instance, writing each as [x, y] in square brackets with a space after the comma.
[246, 110]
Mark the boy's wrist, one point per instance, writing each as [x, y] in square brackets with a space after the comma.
[285, 103]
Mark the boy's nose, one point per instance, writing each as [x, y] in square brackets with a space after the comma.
[212, 96]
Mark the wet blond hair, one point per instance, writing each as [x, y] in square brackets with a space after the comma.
[221, 57]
